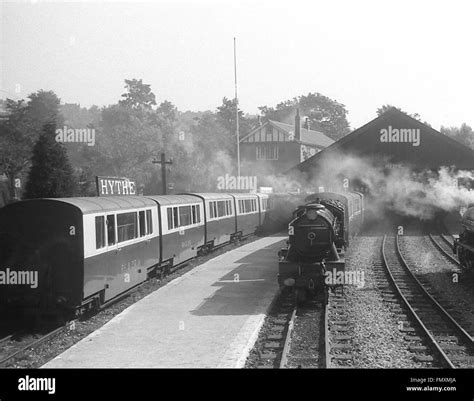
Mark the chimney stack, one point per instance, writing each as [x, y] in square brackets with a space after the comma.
[297, 125]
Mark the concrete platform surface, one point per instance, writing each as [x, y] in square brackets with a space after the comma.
[208, 318]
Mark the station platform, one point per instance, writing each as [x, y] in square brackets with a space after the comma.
[208, 318]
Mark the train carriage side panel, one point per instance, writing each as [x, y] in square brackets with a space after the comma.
[43, 237]
[219, 217]
[121, 245]
[247, 213]
[263, 206]
[182, 227]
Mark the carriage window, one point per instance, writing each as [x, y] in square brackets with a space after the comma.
[99, 232]
[196, 214]
[126, 226]
[141, 218]
[211, 210]
[170, 218]
[149, 222]
[248, 205]
[221, 208]
[230, 207]
[184, 216]
[175, 217]
[111, 229]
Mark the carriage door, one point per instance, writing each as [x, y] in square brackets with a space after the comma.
[111, 262]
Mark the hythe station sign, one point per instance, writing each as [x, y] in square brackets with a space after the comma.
[112, 186]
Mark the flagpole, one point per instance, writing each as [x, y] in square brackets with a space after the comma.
[236, 112]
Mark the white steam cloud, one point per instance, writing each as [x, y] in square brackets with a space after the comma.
[394, 187]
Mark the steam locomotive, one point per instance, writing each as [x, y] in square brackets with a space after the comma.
[319, 235]
[464, 245]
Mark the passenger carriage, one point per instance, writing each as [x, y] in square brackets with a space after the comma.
[182, 227]
[247, 213]
[263, 205]
[219, 213]
[84, 250]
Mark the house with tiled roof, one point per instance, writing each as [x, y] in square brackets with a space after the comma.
[274, 147]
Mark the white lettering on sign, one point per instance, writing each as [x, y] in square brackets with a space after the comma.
[115, 186]
[402, 135]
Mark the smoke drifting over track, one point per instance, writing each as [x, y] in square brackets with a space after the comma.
[395, 187]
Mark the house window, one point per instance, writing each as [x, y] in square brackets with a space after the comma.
[267, 152]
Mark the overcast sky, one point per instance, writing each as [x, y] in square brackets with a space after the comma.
[415, 55]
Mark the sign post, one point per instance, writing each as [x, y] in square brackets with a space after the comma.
[163, 163]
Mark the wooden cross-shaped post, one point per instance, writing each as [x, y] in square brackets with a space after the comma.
[163, 163]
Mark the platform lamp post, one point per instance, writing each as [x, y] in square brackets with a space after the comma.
[163, 163]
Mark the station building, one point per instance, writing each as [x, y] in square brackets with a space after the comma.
[393, 138]
[274, 147]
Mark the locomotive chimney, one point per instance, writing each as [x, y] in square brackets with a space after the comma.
[297, 125]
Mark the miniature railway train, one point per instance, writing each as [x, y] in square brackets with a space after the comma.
[87, 251]
[319, 234]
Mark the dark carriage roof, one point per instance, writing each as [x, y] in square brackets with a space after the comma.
[89, 205]
[212, 196]
[174, 199]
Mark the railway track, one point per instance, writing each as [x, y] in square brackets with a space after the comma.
[438, 339]
[292, 336]
[338, 337]
[14, 345]
[445, 245]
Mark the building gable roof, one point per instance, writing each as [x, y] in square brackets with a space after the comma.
[460, 155]
[308, 137]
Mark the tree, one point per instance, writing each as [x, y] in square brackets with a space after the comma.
[226, 117]
[387, 107]
[129, 139]
[21, 128]
[50, 175]
[138, 95]
[463, 134]
[43, 108]
[165, 118]
[324, 114]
